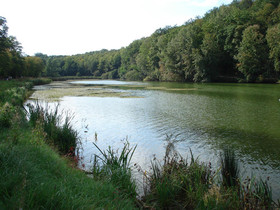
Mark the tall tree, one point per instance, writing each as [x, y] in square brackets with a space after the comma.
[252, 53]
[273, 40]
[34, 66]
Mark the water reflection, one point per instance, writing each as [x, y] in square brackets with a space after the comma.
[205, 117]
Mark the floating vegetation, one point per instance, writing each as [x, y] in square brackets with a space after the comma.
[56, 90]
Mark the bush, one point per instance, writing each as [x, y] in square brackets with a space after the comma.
[16, 96]
[6, 114]
[41, 81]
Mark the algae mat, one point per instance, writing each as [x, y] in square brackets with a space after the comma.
[57, 90]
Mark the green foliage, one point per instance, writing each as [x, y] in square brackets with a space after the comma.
[230, 43]
[12, 62]
[7, 112]
[227, 44]
[256, 194]
[177, 183]
[40, 81]
[34, 66]
[230, 168]
[116, 168]
[62, 135]
[15, 96]
[16, 91]
[252, 54]
[273, 40]
[133, 75]
[34, 177]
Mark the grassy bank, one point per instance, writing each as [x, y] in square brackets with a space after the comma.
[38, 149]
[33, 174]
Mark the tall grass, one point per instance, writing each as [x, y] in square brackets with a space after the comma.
[58, 132]
[35, 177]
[116, 168]
[257, 193]
[177, 184]
[229, 168]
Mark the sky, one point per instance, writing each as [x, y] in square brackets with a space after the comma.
[68, 27]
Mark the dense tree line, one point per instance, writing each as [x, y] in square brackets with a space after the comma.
[235, 42]
[12, 62]
[240, 41]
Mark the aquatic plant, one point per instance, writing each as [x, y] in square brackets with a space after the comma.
[229, 168]
[256, 194]
[59, 133]
[177, 183]
[116, 167]
[34, 176]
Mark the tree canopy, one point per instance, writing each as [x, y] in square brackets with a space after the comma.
[12, 62]
[235, 42]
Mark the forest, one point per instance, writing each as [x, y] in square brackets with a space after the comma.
[239, 42]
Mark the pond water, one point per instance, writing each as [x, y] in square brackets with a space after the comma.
[202, 117]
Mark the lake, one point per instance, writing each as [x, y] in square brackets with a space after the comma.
[202, 117]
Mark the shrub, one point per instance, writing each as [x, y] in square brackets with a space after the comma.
[6, 114]
[40, 81]
[15, 96]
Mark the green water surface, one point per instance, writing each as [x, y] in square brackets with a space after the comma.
[203, 117]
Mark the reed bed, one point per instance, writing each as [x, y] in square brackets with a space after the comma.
[59, 132]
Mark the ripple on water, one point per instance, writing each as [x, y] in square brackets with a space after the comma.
[205, 119]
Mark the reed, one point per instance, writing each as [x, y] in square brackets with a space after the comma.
[176, 183]
[229, 168]
[58, 132]
[256, 194]
[116, 168]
